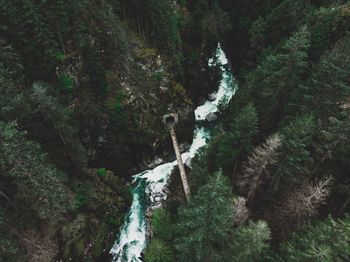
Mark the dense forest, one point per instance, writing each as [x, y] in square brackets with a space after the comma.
[83, 87]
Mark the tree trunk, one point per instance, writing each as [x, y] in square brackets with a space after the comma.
[182, 170]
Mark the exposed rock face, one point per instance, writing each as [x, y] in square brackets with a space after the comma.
[212, 117]
[145, 88]
[157, 197]
[155, 163]
[155, 92]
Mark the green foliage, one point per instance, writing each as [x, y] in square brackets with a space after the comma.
[161, 225]
[328, 84]
[199, 173]
[284, 19]
[119, 115]
[158, 76]
[84, 194]
[80, 200]
[295, 155]
[326, 241]
[165, 24]
[250, 242]
[229, 147]
[58, 119]
[258, 31]
[39, 183]
[204, 222]
[10, 77]
[292, 57]
[94, 68]
[60, 56]
[182, 2]
[277, 76]
[9, 59]
[326, 20]
[66, 82]
[158, 251]
[9, 246]
[101, 172]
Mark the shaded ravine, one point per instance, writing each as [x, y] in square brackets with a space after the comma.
[152, 183]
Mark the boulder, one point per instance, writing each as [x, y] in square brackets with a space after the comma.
[211, 117]
[166, 190]
[157, 199]
[149, 213]
[156, 206]
[212, 96]
[155, 187]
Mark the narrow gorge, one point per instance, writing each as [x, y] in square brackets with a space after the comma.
[150, 190]
[87, 168]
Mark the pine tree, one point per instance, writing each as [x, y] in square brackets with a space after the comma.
[277, 76]
[161, 225]
[295, 157]
[9, 245]
[158, 251]
[328, 85]
[326, 241]
[257, 32]
[205, 221]
[57, 116]
[228, 148]
[38, 182]
[249, 242]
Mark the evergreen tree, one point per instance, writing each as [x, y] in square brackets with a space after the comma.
[158, 251]
[295, 157]
[205, 221]
[328, 85]
[161, 225]
[257, 32]
[249, 242]
[165, 32]
[38, 182]
[277, 76]
[228, 148]
[326, 241]
[9, 246]
[58, 117]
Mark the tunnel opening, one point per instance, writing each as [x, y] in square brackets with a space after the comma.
[170, 121]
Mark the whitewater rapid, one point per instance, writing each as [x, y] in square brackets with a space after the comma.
[132, 238]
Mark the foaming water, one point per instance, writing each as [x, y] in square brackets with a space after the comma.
[132, 238]
[225, 91]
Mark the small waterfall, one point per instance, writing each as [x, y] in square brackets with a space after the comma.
[132, 237]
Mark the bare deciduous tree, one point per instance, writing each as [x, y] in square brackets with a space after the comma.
[255, 170]
[241, 211]
[299, 206]
[39, 249]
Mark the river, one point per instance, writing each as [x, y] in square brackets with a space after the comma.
[152, 183]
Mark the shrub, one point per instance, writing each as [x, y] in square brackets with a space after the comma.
[157, 251]
[66, 81]
[101, 172]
